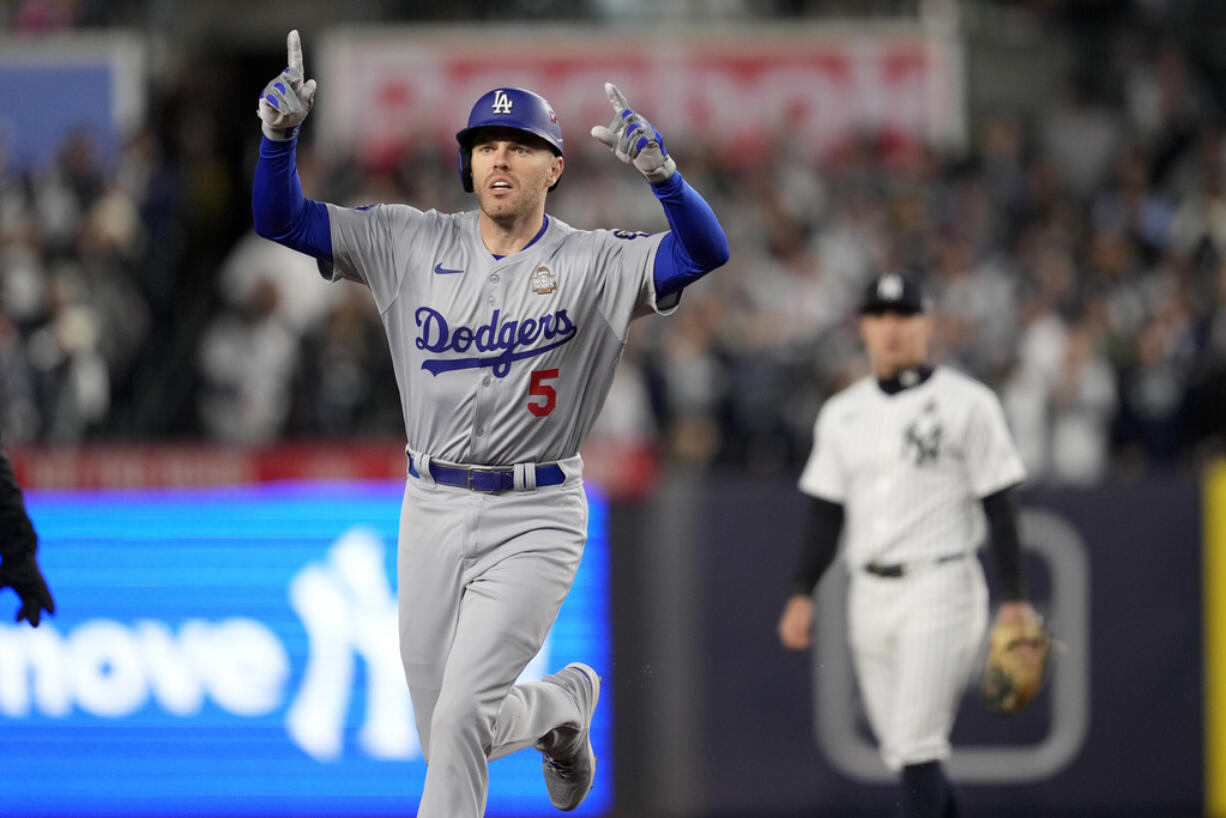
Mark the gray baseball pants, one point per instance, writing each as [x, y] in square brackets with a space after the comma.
[481, 578]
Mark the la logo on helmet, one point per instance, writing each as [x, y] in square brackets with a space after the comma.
[502, 103]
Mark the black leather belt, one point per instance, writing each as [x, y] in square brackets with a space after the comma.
[488, 479]
[898, 569]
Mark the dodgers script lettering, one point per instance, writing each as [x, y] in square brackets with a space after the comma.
[503, 337]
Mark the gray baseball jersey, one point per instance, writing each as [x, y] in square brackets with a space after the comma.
[499, 361]
[910, 468]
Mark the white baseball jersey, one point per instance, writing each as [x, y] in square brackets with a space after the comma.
[498, 361]
[910, 468]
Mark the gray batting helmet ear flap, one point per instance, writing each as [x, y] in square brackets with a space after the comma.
[508, 108]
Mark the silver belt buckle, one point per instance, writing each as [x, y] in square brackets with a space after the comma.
[484, 470]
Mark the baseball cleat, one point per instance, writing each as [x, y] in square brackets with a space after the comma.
[569, 773]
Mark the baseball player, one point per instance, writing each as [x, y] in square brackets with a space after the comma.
[505, 326]
[901, 461]
[18, 543]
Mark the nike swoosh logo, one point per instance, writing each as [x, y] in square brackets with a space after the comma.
[443, 271]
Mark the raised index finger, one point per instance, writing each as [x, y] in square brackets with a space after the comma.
[616, 98]
[294, 46]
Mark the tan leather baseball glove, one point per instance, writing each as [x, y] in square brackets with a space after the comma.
[1017, 658]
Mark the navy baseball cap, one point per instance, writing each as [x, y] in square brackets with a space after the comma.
[893, 292]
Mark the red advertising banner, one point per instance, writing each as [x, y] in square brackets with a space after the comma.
[147, 466]
[815, 87]
[621, 471]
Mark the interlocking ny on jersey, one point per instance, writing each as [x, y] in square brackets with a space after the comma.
[497, 359]
[922, 437]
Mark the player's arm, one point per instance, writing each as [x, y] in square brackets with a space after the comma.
[995, 470]
[1000, 508]
[18, 544]
[818, 546]
[279, 209]
[17, 537]
[824, 480]
[696, 243]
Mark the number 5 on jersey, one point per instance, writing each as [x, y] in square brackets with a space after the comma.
[538, 389]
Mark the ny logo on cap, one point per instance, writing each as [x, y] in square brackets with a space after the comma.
[502, 103]
[889, 288]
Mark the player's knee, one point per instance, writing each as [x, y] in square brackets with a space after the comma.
[459, 718]
[916, 750]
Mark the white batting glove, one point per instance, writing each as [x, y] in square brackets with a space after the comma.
[287, 99]
[633, 140]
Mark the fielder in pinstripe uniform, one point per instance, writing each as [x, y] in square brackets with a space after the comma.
[902, 460]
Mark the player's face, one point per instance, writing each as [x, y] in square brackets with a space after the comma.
[895, 340]
[512, 171]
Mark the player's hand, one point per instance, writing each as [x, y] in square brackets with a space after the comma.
[1016, 610]
[24, 577]
[796, 623]
[287, 99]
[634, 141]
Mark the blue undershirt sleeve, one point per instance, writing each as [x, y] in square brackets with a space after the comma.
[280, 211]
[696, 244]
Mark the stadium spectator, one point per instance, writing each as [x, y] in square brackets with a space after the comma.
[1074, 255]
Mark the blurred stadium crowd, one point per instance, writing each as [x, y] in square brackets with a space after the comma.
[1075, 256]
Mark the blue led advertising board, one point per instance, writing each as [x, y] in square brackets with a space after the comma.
[233, 652]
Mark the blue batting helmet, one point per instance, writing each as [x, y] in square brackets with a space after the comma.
[508, 108]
